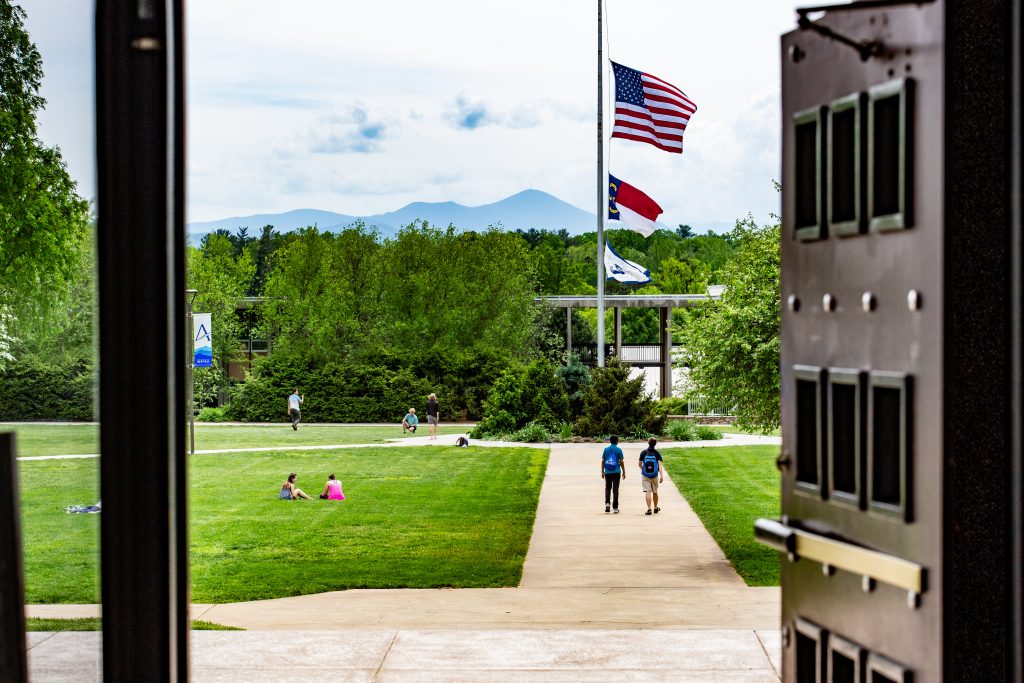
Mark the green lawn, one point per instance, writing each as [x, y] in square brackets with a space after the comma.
[732, 429]
[43, 439]
[96, 624]
[415, 517]
[729, 488]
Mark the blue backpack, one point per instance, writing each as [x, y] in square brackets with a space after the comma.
[650, 464]
[611, 462]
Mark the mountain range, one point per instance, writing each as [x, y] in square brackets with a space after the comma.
[526, 209]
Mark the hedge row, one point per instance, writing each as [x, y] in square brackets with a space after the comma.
[379, 389]
[34, 390]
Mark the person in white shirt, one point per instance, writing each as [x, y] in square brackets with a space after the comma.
[294, 401]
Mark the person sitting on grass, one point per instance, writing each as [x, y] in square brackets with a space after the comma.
[332, 489]
[410, 421]
[289, 490]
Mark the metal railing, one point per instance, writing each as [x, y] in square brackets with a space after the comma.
[645, 354]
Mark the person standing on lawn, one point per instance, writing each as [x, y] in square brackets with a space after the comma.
[294, 401]
[651, 474]
[612, 471]
[432, 413]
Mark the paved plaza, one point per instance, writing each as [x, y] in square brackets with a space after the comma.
[625, 597]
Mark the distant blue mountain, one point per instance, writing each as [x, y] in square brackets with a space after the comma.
[525, 210]
[282, 222]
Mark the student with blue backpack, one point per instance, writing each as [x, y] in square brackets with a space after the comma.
[651, 474]
[612, 472]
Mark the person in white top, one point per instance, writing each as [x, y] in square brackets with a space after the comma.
[294, 401]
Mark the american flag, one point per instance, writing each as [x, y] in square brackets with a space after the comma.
[647, 109]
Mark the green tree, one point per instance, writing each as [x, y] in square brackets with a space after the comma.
[63, 333]
[447, 290]
[615, 404]
[688, 276]
[6, 340]
[733, 345]
[220, 278]
[312, 288]
[43, 222]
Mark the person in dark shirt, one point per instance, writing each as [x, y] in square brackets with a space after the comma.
[651, 474]
[432, 412]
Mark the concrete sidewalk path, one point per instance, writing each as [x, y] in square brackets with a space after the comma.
[407, 656]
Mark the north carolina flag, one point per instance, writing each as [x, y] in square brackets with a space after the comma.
[618, 268]
[631, 207]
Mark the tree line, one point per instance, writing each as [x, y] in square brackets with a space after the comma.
[378, 321]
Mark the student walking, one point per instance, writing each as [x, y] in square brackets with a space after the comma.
[432, 413]
[651, 474]
[294, 401]
[612, 471]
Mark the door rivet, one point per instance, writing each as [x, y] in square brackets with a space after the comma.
[867, 584]
[914, 300]
[867, 302]
[828, 570]
[794, 303]
[913, 600]
[828, 302]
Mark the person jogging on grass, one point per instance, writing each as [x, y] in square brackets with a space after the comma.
[651, 474]
[294, 401]
[612, 471]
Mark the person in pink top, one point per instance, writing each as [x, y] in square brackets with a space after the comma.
[332, 489]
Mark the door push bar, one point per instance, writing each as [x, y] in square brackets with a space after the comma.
[872, 565]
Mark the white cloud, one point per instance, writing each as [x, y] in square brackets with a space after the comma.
[350, 106]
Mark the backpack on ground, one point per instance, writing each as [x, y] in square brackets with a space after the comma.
[650, 464]
[462, 442]
[611, 462]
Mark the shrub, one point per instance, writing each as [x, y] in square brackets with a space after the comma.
[564, 431]
[56, 392]
[615, 404]
[519, 398]
[213, 415]
[682, 430]
[674, 405]
[531, 433]
[705, 433]
[377, 388]
[576, 378]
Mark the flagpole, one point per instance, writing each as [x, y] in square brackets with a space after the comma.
[601, 182]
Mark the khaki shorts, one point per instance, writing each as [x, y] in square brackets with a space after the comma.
[650, 484]
[432, 419]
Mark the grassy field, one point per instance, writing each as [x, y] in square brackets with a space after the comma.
[729, 488]
[732, 429]
[96, 624]
[415, 517]
[43, 439]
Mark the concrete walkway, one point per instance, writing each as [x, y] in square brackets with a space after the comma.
[589, 581]
[432, 656]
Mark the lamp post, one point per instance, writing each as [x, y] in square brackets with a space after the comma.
[189, 364]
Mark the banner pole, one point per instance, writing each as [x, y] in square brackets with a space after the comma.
[601, 182]
[189, 364]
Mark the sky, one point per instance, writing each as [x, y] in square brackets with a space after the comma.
[361, 108]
